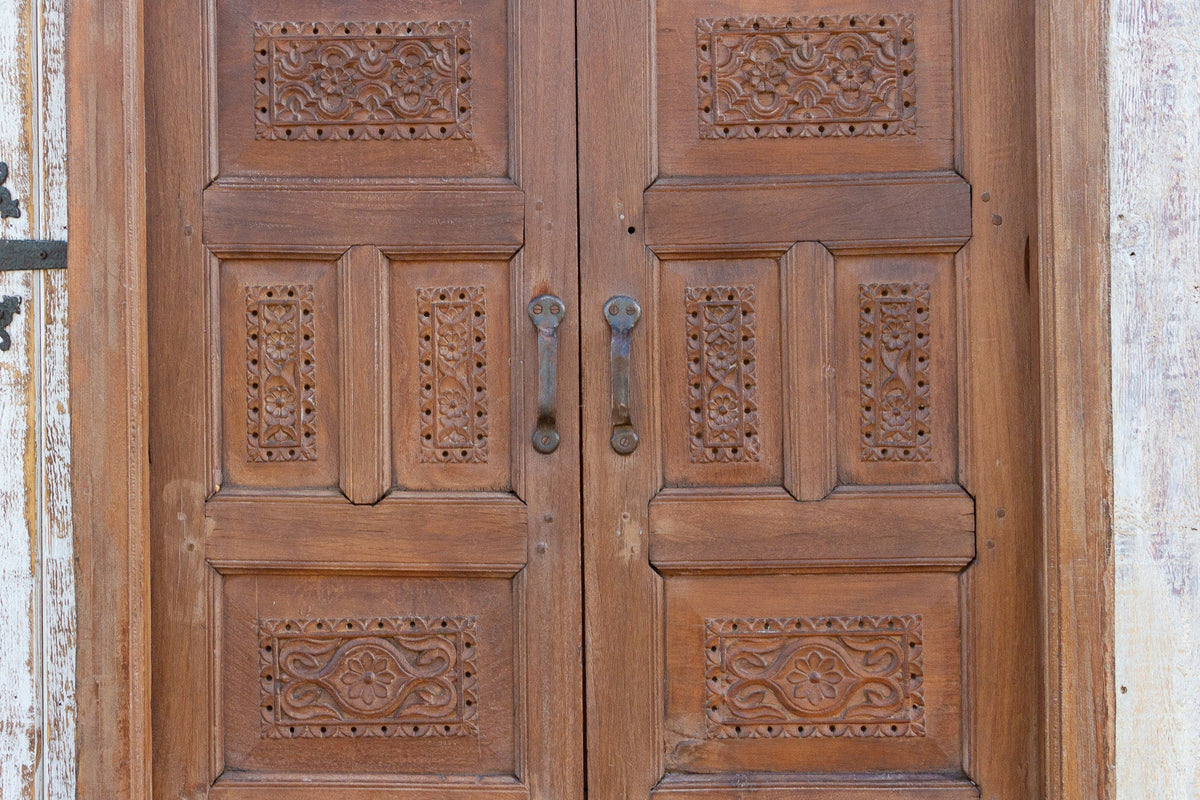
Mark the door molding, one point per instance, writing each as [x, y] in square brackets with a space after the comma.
[107, 289]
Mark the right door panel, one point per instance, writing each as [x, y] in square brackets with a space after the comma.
[804, 596]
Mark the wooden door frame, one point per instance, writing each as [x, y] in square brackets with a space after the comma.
[107, 289]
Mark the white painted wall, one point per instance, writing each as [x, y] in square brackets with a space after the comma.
[37, 638]
[1154, 106]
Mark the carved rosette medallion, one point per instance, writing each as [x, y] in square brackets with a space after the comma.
[395, 676]
[814, 676]
[769, 77]
[281, 405]
[722, 388]
[362, 80]
[894, 371]
[452, 355]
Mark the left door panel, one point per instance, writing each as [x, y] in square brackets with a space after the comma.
[362, 570]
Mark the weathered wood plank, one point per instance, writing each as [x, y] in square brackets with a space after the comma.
[19, 600]
[1154, 99]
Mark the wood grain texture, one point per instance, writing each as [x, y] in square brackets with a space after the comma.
[106, 201]
[1076, 428]
[1155, 258]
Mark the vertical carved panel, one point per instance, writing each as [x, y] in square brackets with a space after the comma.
[722, 400]
[452, 353]
[362, 80]
[407, 676]
[894, 371]
[280, 387]
[814, 676]
[761, 77]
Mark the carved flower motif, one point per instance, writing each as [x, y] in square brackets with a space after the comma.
[453, 410]
[452, 344]
[894, 410]
[335, 80]
[722, 411]
[413, 77]
[367, 677]
[894, 332]
[722, 353]
[280, 402]
[763, 70]
[280, 343]
[814, 677]
[849, 71]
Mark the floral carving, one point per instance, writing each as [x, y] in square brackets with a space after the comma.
[806, 76]
[407, 676]
[452, 355]
[281, 404]
[722, 403]
[814, 676]
[362, 80]
[894, 371]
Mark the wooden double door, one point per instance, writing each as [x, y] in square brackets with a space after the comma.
[629, 399]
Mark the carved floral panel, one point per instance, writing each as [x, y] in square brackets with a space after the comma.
[281, 406]
[722, 388]
[814, 676]
[894, 371]
[406, 676]
[851, 75]
[362, 80]
[452, 355]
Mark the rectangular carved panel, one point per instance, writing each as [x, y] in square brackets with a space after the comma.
[452, 355]
[894, 371]
[408, 676]
[281, 404]
[362, 80]
[722, 386]
[852, 75]
[814, 676]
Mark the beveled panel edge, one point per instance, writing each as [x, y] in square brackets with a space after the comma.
[284, 786]
[928, 528]
[809, 786]
[445, 218]
[480, 533]
[931, 209]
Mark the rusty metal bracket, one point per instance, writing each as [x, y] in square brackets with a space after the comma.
[18, 255]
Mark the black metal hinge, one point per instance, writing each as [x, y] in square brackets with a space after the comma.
[18, 255]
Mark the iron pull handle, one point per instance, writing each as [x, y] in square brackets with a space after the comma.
[547, 311]
[622, 313]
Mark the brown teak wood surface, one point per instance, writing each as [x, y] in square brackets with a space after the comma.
[629, 628]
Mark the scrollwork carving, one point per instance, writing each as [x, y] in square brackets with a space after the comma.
[406, 676]
[763, 77]
[362, 80]
[894, 371]
[281, 404]
[814, 676]
[722, 384]
[452, 361]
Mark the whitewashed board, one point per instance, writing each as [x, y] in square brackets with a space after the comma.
[1154, 107]
[37, 624]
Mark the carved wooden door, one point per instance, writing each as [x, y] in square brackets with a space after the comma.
[365, 579]
[808, 399]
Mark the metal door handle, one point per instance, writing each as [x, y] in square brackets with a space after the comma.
[622, 313]
[547, 311]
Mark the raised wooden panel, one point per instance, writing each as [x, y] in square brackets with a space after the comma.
[767, 529]
[771, 88]
[706, 214]
[331, 675]
[896, 369]
[815, 787]
[280, 398]
[721, 363]
[483, 533]
[363, 89]
[450, 344]
[856, 673]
